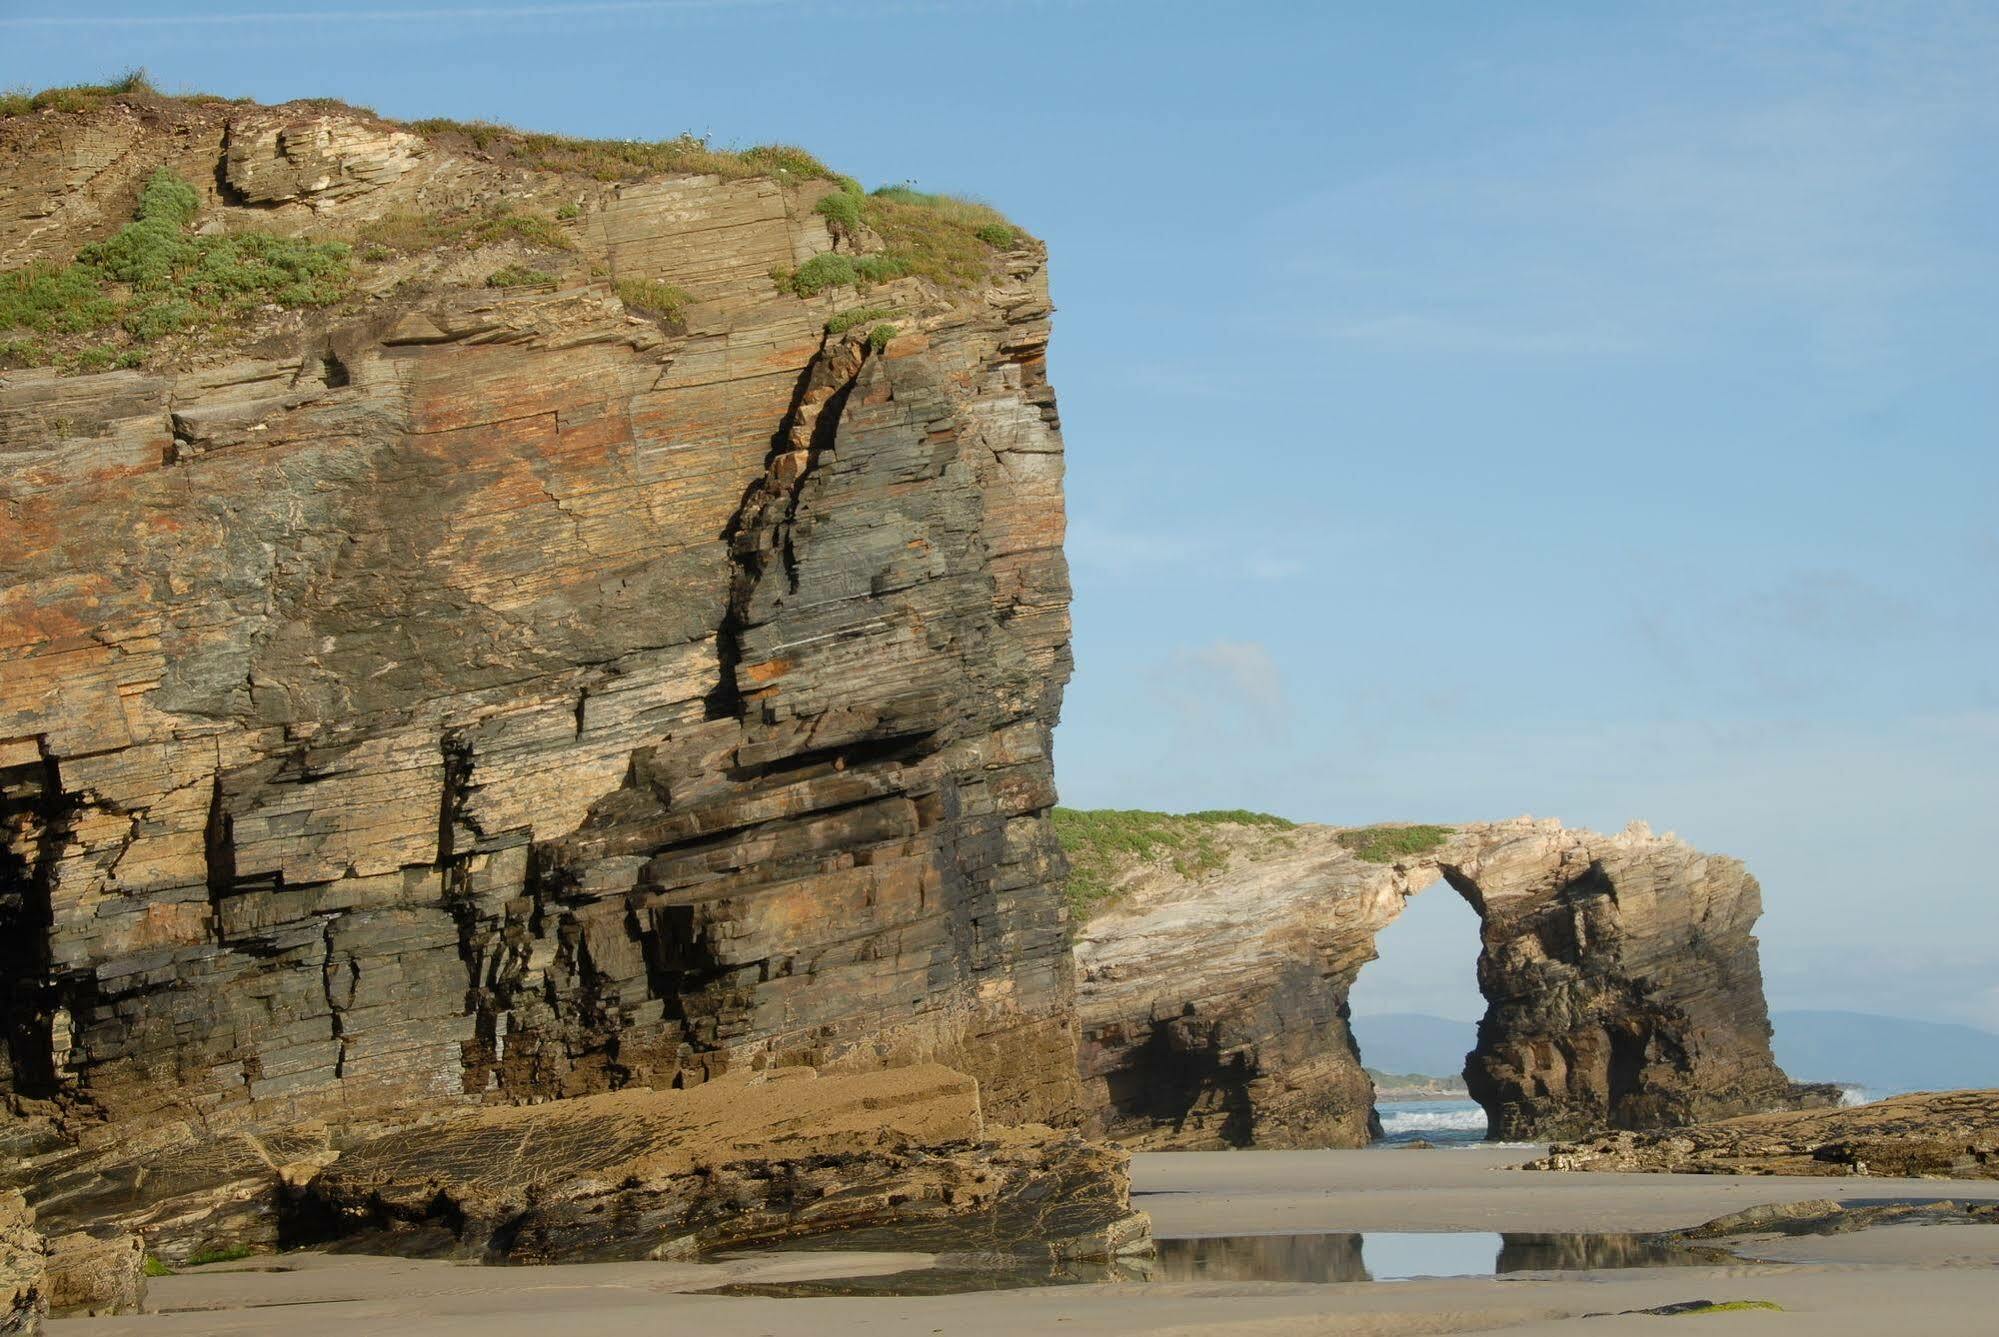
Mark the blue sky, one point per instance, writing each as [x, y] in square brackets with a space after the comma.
[1473, 409]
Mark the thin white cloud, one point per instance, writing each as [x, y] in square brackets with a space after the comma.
[413, 14]
[1232, 673]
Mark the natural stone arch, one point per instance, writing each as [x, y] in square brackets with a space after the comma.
[1621, 975]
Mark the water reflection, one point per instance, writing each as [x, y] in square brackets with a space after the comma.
[1334, 1256]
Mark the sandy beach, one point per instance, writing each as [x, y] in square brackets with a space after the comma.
[1907, 1279]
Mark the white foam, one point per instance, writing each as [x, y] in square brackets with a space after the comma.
[1451, 1119]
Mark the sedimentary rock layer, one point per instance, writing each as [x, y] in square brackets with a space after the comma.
[652, 1174]
[491, 693]
[23, 1268]
[1621, 977]
[1953, 1134]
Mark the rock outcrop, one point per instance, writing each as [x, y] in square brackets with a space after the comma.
[24, 1301]
[667, 1174]
[471, 692]
[1950, 1134]
[1621, 976]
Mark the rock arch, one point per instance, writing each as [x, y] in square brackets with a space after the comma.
[1621, 975]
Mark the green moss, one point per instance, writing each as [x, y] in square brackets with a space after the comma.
[1102, 844]
[153, 278]
[859, 315]
[658, 299]
[1386, 844]
[518, 276]
[1699, 1307]
[153, 1267]
[231, 1253]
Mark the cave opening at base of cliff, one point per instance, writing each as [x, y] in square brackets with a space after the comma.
[1414, 1016]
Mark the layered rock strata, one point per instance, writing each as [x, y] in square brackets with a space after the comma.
[1621, 976]
[24, 1299]
[477, 693]
[1951, 1134]
[652, 1174]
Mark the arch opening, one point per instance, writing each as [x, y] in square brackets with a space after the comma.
[1414, 1014]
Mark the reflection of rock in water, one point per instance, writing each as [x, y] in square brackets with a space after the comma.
[1580, 1253]
[1329, 1257]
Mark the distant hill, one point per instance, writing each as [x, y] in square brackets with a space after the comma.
[1414, 1042]
[1884, 1053]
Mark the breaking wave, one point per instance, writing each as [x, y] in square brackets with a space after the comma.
[1431, 1120]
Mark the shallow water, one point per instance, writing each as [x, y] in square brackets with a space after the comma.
[1320, 1257]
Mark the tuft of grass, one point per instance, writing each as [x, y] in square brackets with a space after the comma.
[75, 97]
[999, 236]
[519, 276]
[1386, 844]
[860, 315]
[153, 1267]
[570, 210]
[820, 273]
[653, 298]
[153, 278]
[625, 159]
[1105, 843]
[879, 337]
[231, 1253]
[413, 234]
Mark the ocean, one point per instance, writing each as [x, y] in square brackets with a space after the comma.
[1448, 1123]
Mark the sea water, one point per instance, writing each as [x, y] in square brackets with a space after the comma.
[1445, 1123]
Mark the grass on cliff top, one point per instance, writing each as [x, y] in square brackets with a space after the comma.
[1386, 844]
[154, 278]
[952, 242]
[1103, 843]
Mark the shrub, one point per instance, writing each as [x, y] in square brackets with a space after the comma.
[568, 211]
[879, 336]
[1386, 844]
[646, 295]
[1002, 236]
[860, 315]
[822, 272]
[518, 276]
[840, 209]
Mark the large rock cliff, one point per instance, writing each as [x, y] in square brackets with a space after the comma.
[1620, 973]
[564, 658]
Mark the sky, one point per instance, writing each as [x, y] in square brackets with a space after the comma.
[1472, 410]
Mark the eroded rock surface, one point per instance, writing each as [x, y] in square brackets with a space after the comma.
[23, 1267]
[903, 1154]
[491, 693]
[1953, 1134]
[1621, 975]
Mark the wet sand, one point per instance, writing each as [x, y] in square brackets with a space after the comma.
[1904, 1280]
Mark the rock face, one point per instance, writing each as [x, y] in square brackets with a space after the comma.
[484, 693]
[1953, 1134]
[23, 1267]
[1621, 976]
[653, 1174]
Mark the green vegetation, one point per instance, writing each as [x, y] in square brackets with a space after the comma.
[1386, 844]
[153, 1267]
[231, 1253]
[942, 238]
[519, 276]
[842, 209]
[154, 278]
[624, 159]
[879, 336]
[1698, 1307]
[76, 97]
[860, 315]
[653, 298]
[568, 211]
[818, 274]
[1104, 843]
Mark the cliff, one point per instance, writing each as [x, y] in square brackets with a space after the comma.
[1621, 977]
[488, 616]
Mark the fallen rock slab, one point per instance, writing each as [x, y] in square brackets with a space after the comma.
[1950, 1134]
[670, 1174]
